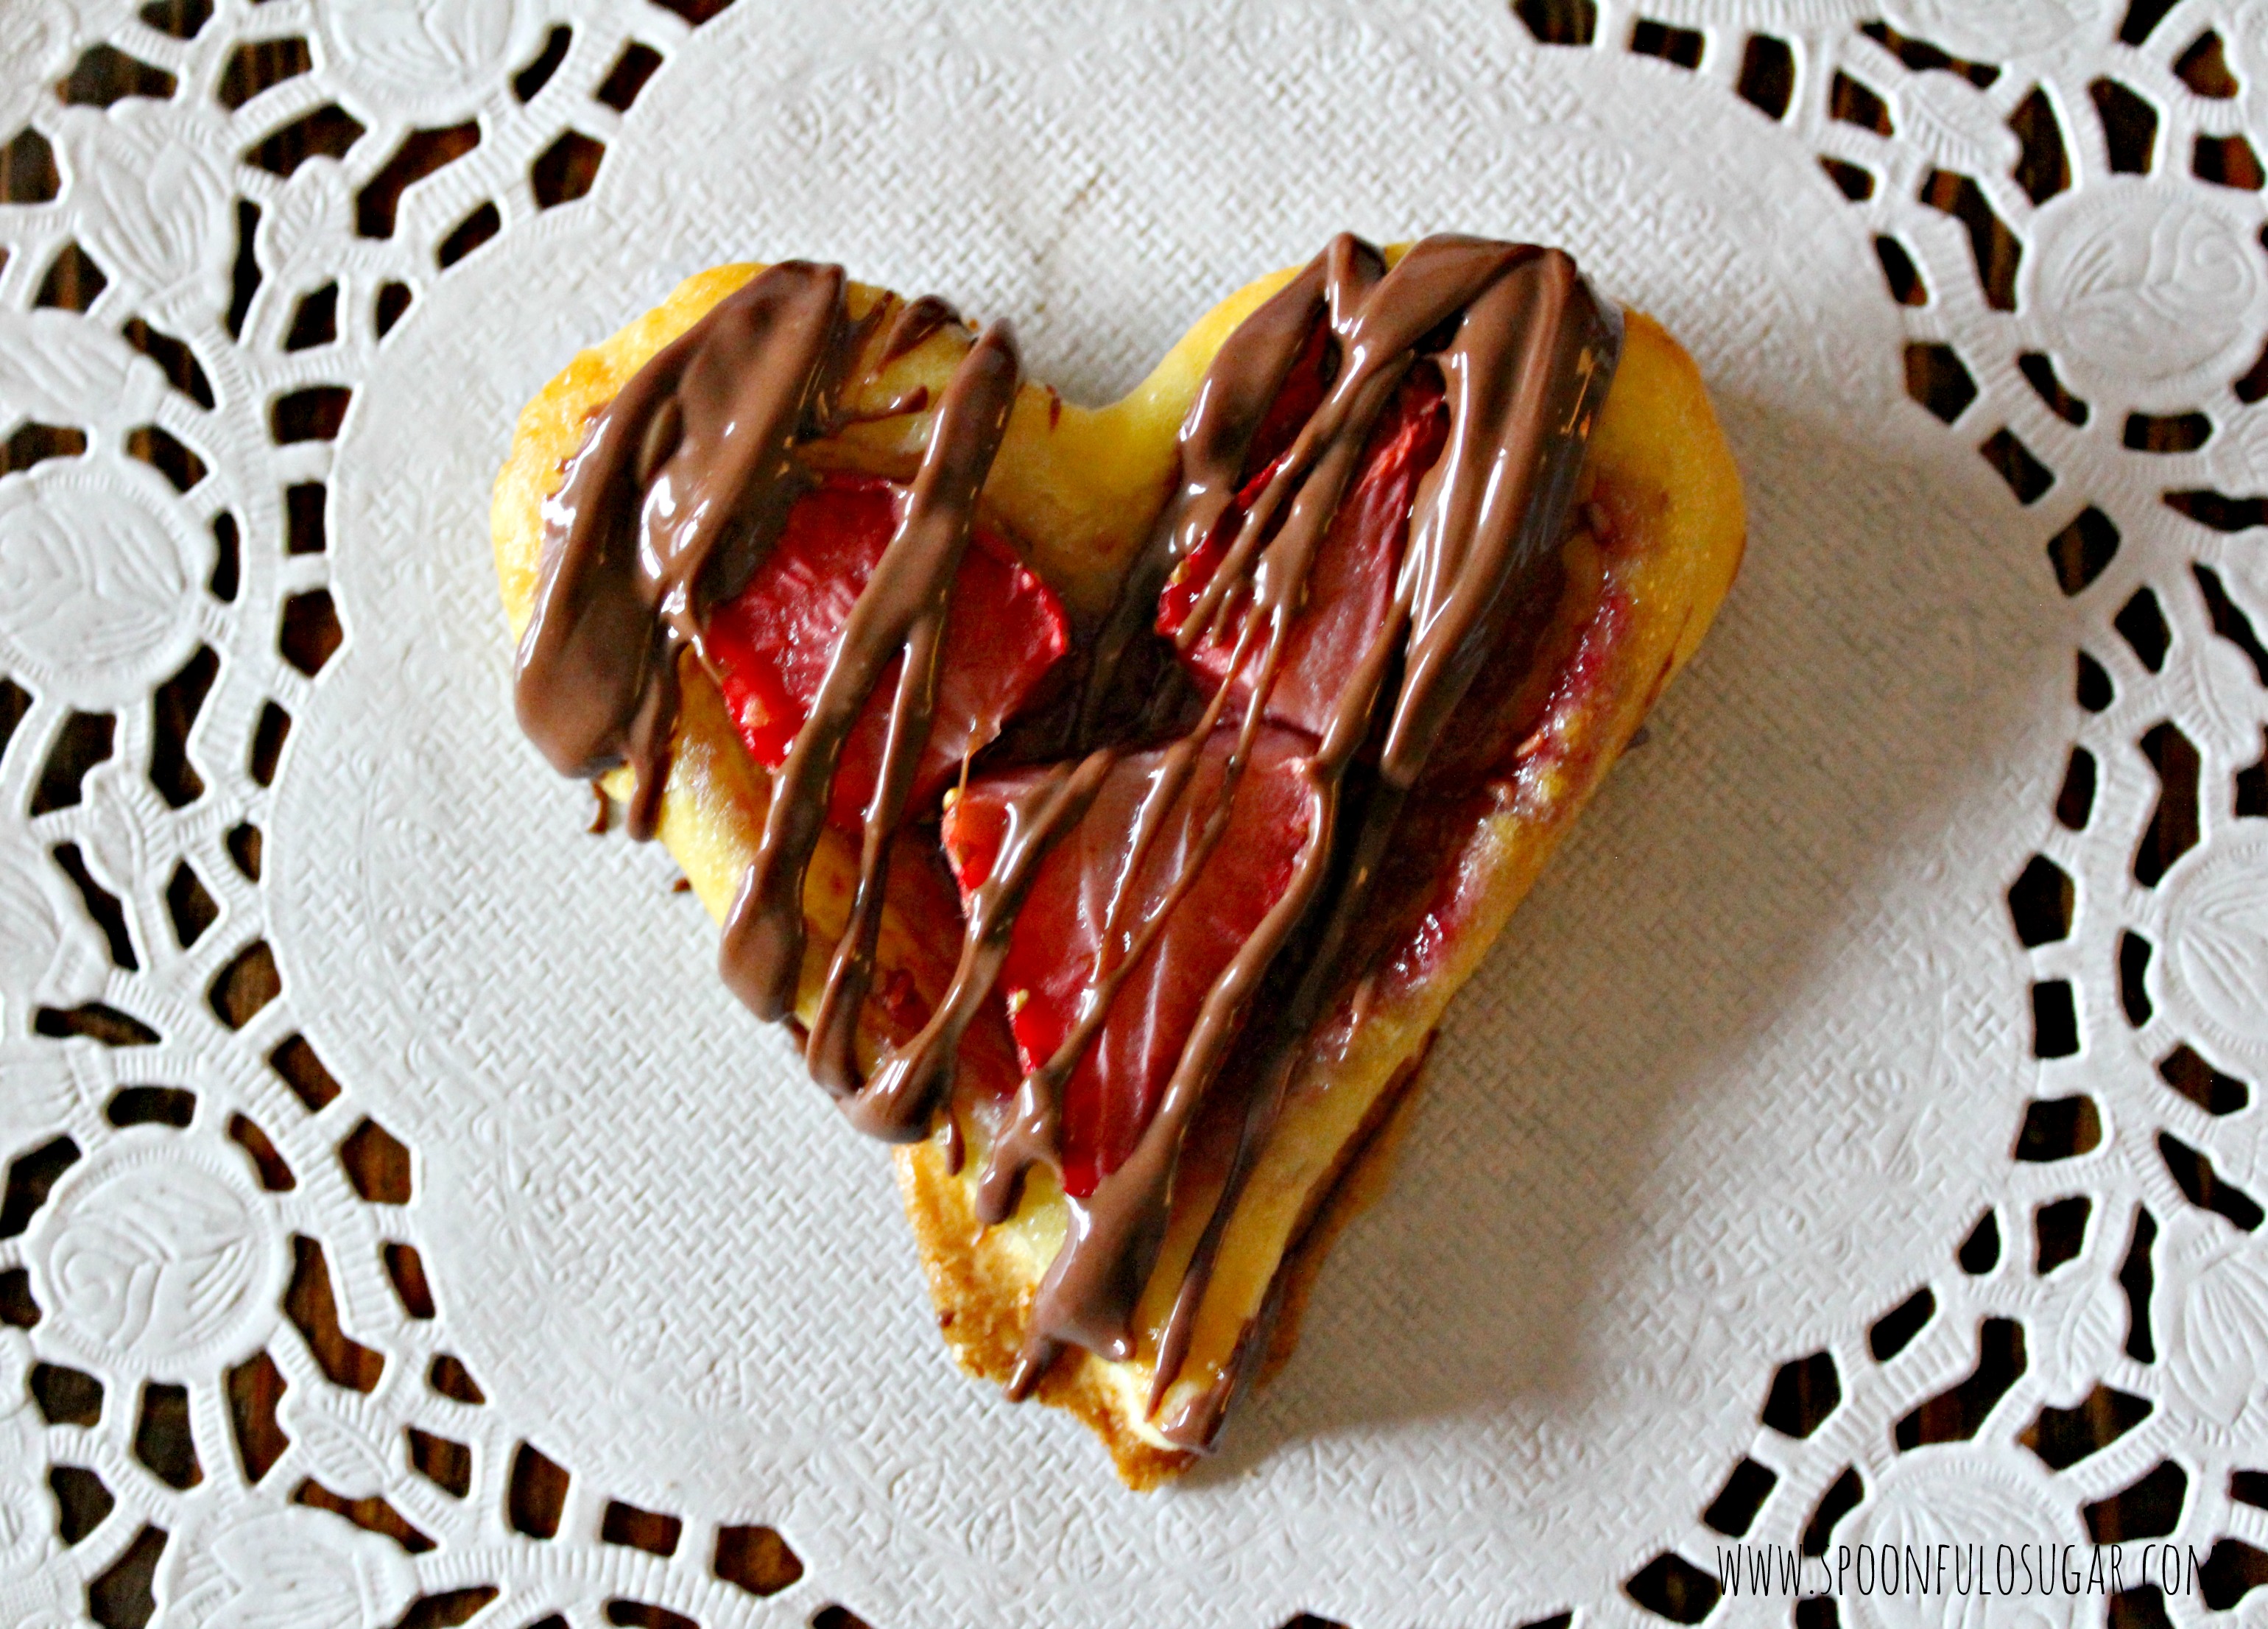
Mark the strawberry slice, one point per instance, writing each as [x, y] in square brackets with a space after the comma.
[1351, 585]
[772, 643]
[1065, 923]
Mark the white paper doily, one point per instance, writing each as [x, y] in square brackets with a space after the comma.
[1891, 1029]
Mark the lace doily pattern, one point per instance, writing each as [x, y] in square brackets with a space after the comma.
[233, 1393]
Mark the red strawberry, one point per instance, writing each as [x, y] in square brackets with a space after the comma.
[1117, 1085]
[773, 642]
[1351, 583]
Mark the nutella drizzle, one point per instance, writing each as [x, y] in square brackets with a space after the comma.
[698, 448]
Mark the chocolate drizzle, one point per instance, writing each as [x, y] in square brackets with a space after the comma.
[699, 446]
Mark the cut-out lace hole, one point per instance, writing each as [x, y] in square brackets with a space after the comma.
[1995, 249]
[2093, 692]
[2039, 372]
[448, 1609]
[15, 702]
[2059, 1232]
[628, 76]
[2129, 127]
[150, 1105]
[377, 1164]
[2231, 1572]
[178, 19]
[106, 1025]
[2058, 1128]
[2206, 1188]
[2014, 463]
[2227, 161]
[2174, 829]
[2043, 168]
[2083, 550]
[1804, 1392]
[373, 1515]
[269, 734]
[469, 234]
[1980, 1251]
[243, 843]
[2215, 1092]
[2074, 803]
[2133, 984]
[2055, 1020]
[123, 1597]
[162, 1438]
[2250, 800]
[314, 321]
[2218, 511]
[244, 275]
[1905, 284]
[406, 1269]
[447, 1465]
[537, 1493]
[246, 985]
[101, 905]
[1956, 1414]
[537, 74]
[82, 1501]
[328, 132]
[345, 1360]
[2171, 432]
[564, 171]
[173, 357]
[296, 1062]
[1855, 184]
[2142, 16]
[311, 415]
[1311, 1620]
[257, 64]
[27, 170]
[2064, 1436]
[1733, 1511]
[34, 443]
[228, 559]
[377, 204]
[66, 1397]
[73, 282]
[310, 634]
[255, 1389]
[1558, 22]
[275, 1175]
[2229, 621]
[1853, 103]
[1895, 1331]
[1841, 1498]
[634, 1529]
[756, 1558]
[2141, 622]
[2254, 383]
[449, 1377]
[2040, 903]
[173, 714]
[1669, 1586]
[2249, 1487]
[83, 742]
[2148, 1509]
[103, 73]
[165, 453]
[647, 1615]
[2136, 1279]
[1937, 378]
[18, 1310]
[1681, 47]
[695, 12]
[303, 530]
[393, 301]
[1922, 57]
[30, 1177]
[2204, 67]
[1557, 1620]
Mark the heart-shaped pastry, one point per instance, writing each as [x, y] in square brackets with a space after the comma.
[1112, 798]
